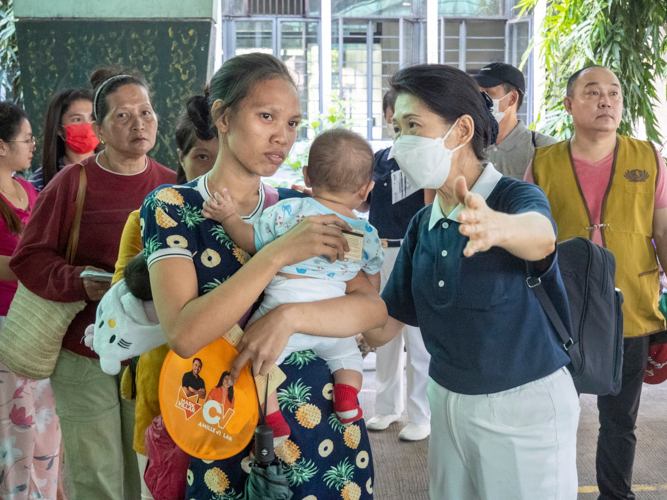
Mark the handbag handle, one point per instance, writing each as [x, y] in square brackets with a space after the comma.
[73, 239]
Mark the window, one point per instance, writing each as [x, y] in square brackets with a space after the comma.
[275, 7]
[518, 40]
[367, 8]
[254, 36]
[372, 40]
[300, 51]
[294, 41]
[476, 8]
[368, 52]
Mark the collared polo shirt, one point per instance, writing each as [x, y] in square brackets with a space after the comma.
[484, 328]
[189, 380]
[390, 220]
[513, 155]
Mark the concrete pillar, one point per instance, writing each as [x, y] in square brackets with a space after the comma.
[170, 41]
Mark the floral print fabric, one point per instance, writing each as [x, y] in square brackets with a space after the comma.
[29, 438]
[324, 459]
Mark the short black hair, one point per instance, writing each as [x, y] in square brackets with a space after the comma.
[509, 88]
[137, 279]
[197, 359]
[340, 161]
[572, 81]
[388, 101]
[450, 93]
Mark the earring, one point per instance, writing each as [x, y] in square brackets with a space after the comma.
[102, 142]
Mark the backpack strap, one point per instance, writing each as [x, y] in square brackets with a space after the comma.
[271, 196]
[535, 284]
[532, 133]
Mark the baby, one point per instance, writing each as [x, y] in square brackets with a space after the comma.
[340, 173]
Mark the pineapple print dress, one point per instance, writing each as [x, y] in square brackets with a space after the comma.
[324, 459]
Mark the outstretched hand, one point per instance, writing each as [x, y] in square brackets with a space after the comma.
[478, 222]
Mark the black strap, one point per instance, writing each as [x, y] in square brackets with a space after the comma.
[532, 132]
[262, 415]
[536, 285]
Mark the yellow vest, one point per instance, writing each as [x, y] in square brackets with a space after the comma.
[626, 221]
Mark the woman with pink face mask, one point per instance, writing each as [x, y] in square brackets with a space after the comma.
[68, 135]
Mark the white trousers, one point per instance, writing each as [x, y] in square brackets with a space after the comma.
[518, 444]
[339, 353]
[390, 362]
[142, 460]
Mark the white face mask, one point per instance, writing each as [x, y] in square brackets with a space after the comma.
[425, 162]
[497, 114]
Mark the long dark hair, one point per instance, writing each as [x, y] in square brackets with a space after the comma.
[193, 123]
[230, 391]
[450, 93]
[54, 145]
[11, 117]
[237, 76]
[106, 81]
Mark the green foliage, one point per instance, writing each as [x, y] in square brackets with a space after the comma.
[338, 115]
[300, 472]
[626, 36]
[339, 475]
[296, 395]
[336, 424]
[10, 73]
[301, 358]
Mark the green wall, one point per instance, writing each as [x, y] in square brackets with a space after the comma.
[135, 9]
[173, 54]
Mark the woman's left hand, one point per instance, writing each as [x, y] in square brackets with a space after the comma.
[481, 224]
[263, 342]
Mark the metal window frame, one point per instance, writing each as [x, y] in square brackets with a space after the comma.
[228, 26]
[530, 85]
[369, 21]
[229, 39]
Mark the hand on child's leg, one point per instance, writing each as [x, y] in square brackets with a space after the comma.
[219, 207]
[347, 384]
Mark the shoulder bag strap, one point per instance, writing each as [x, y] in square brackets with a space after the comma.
[271, 196]
[535, 284]
[73, 239]
[532, 132]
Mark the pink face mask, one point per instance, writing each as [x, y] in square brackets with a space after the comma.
[80, 138]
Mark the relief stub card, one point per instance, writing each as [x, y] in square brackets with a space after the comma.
[356, 241]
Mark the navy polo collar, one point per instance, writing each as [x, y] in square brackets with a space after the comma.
[484, 186]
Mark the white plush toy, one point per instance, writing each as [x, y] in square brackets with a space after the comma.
[124, 327]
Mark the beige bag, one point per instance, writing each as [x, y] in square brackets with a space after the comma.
[33, 331]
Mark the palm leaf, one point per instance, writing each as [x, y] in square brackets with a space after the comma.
[300, 472]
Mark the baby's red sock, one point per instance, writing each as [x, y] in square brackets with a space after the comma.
[281, 430]
[345, 403]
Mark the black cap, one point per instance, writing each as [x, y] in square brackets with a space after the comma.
[498, 73]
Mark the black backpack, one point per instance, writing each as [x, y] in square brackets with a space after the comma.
[596, 345]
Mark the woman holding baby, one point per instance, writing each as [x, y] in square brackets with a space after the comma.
[203, 283]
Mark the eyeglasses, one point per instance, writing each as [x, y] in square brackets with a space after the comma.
[29, 141]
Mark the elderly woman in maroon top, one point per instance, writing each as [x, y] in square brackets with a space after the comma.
[97, 426]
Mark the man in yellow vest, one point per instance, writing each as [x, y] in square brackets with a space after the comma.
[612, 189]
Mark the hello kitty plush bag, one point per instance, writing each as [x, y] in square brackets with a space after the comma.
[125, 327]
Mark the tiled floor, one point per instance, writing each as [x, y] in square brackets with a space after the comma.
[400, 467]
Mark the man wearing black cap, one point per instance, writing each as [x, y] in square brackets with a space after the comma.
[515, 145]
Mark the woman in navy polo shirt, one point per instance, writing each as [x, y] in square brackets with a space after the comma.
[504, 407]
